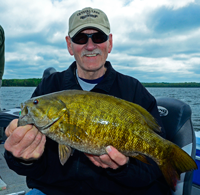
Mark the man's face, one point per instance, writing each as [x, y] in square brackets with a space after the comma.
[90, 57]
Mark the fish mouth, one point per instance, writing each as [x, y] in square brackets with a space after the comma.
[41, 125]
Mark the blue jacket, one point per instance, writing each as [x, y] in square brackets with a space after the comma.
[79, 175]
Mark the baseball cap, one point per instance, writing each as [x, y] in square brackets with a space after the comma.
[88, 18]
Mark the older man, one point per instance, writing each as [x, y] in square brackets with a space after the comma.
[30, 153]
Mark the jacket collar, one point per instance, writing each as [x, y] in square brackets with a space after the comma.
[70, 81]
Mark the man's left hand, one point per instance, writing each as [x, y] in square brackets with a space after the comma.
[114, 159]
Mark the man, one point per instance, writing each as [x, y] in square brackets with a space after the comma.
[2, 63]
[30, 153]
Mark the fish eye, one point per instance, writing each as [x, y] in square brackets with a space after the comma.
[35, 102]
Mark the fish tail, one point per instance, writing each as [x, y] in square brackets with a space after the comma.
[178, 162]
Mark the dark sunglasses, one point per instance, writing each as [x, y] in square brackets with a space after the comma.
[82, 38]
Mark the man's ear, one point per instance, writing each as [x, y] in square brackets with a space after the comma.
[69, 45]
[110, 43]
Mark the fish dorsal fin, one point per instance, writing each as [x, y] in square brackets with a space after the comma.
[64, 153]
[150, 120]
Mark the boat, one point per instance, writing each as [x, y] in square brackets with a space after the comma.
[176, 118]
[196, 174]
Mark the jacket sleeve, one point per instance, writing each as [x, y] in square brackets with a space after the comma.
[137, 174]
[34, 169]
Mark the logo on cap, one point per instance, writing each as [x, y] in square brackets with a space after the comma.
[89, 15]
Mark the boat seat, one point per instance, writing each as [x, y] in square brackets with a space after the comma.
[176, 118]
[48, 72]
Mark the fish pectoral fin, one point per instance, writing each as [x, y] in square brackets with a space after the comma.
[77, 133]
[140, 157]
[64, 153]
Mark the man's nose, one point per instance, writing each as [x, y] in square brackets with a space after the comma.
[90, 45]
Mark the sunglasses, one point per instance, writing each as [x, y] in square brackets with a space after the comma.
[82, 38]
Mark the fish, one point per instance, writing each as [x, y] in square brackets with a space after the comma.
[89, 122]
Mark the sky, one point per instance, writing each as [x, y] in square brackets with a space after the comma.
[153, 41]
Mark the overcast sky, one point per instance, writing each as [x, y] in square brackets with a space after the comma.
[154, 41]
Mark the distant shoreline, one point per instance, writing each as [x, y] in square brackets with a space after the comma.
[35, 81]
[21, 82]
[187, 85]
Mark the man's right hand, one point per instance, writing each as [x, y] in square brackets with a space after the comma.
[24, 142]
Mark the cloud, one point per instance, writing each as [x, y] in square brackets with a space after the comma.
[154, 41]
[166, 20]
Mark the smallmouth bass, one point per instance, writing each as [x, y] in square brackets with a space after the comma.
[89, 122]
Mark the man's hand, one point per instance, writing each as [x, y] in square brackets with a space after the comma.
[24, 142]
[113, 159]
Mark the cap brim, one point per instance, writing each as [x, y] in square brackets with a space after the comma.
[91, 25]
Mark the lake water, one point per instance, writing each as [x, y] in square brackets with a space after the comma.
[11, 97]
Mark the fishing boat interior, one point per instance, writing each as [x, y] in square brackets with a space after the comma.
[176, 117]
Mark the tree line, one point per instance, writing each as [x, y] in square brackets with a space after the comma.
[20, 82]
[35, 81]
